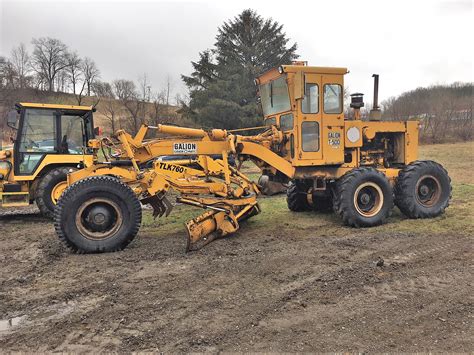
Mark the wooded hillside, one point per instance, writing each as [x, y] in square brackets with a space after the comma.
[445, 111]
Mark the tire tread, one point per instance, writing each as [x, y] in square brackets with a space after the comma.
[72, 192]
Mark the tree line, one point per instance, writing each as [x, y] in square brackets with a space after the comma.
[51, 66]
[52, 69]
[444, 111]
[221, 86]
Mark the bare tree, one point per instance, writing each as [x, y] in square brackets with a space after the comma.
[20, 60]
[145, 88]
[75, 75]
[74, 69]
[126, 92]
[158, 108]
[169, 88]
[7, 74]
[48, 59]
[91, 73]
[108, 105]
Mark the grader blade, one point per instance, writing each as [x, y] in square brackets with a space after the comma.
[270, 188]
[210, 225]
[160, 204]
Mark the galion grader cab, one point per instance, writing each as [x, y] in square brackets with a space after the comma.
[360, 169]
[51, 141]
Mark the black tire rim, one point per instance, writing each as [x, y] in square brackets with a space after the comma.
[99, 218]
[368, 199]
[428, 190]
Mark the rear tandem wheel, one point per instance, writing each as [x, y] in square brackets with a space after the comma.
[423, 189]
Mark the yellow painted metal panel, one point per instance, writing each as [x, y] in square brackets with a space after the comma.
[58, 159]
[55, 106]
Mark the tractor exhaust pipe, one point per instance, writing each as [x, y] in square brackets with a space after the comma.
[375, 114]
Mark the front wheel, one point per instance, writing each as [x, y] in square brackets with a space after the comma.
[363, 198]
[97, 214]
[423, 189]
[296, 197]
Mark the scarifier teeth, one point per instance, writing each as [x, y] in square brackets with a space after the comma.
[160, 204]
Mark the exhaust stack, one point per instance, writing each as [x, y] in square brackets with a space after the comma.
[375, 114]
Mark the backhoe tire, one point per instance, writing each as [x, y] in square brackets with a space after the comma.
[45, 195]
[363, 198]
[296, 198]
[423, 189]
[97, 214]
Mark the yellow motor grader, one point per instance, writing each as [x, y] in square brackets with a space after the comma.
[358, 168]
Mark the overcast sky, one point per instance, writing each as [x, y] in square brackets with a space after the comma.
[409, 43]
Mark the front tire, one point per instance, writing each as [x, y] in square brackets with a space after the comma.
[97, 214]
[423, 189]
[363, 198]
[296, 198]
[50, 188]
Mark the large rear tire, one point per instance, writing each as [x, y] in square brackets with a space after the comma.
[50, 188]
[97, 214]
[423, 189]
[363, 198]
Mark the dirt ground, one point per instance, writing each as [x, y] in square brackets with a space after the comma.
[285, 282]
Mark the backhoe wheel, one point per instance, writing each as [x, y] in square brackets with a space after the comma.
[296, 198]
[423, 189]
[97, 214]
[50, 188]
[363, 197]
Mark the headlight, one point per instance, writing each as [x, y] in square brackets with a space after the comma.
[280, 69]
[353, 134]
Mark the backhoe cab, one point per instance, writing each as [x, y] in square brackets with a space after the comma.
[46, 143]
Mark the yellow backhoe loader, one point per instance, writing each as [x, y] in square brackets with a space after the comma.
[357, 168]
[48, 142]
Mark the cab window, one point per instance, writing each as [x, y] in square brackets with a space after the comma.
[72, 134]
[270, 121]
[332, 98]
[286, 122]
[274, 96]
[310, 136]
[39, 131]
[310, 102]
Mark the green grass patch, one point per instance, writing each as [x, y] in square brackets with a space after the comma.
[275, 216]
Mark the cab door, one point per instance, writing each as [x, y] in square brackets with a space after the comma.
[309, 124]
[332, 128]
[37, 137]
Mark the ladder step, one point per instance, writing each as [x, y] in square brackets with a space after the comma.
[15, 199]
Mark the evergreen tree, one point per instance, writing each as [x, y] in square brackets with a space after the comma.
[222, 89]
